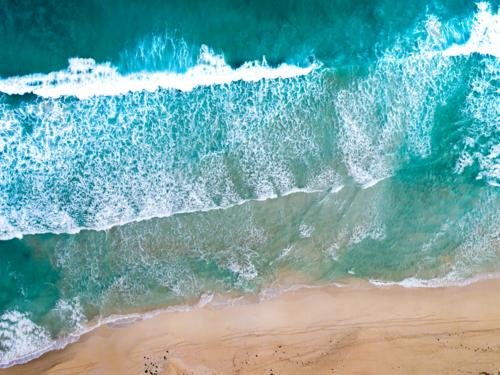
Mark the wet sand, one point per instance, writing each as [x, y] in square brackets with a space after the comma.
[328, 330]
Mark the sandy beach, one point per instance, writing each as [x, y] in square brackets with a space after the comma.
[329, 330]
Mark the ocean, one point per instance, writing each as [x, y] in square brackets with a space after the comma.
[162, 155]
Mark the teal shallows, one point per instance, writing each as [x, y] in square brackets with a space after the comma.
[381, 162]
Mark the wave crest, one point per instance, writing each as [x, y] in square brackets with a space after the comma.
[84, 78]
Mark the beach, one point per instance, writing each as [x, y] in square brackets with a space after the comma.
[359, 329]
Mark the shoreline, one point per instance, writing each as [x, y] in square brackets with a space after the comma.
[223, 301]
[122, 321]
[327, 329]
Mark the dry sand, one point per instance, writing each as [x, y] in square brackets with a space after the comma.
[329, 330]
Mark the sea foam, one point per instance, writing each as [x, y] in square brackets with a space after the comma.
[484, 34]
[85, 78]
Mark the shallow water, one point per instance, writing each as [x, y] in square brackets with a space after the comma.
[156, 154]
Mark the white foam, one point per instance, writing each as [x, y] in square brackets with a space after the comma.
[30, 347]
[74, 145]
[124, 323]
[305, 230]
[71, 312]
[340, 285]
[479, 143]
[372, 229]
[7, 235]
[20, 338]
[388, 111]
[451, 279]
[283, 254]
[484, 34]
[27, 346]
[84, 78]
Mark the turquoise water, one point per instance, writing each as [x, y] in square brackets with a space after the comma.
[171, 153]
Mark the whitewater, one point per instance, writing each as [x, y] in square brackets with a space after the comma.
[169, 178]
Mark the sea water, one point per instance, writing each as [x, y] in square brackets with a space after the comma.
[158, 155]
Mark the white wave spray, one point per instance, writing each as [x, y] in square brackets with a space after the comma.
[84, 78]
